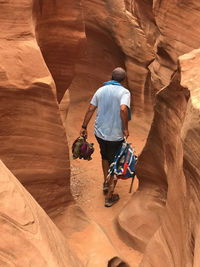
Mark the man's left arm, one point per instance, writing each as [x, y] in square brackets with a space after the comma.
[88, 116]
[124, 118]
[124, 112]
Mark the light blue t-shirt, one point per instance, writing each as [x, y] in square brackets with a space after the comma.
[108, 99]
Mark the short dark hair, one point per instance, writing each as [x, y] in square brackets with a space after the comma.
[118, 74]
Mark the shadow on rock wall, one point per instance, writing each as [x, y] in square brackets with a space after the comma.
[33, 140]
[60, 33]
[163, 214]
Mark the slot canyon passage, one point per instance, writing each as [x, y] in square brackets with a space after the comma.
[53, 56]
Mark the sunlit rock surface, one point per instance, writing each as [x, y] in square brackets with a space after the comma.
[144, 212]
[87, 239]
[60, 34]
[176, 23]
[33, 140]
[28, 236]
[146, 38]
[114, 38]
[163, 214]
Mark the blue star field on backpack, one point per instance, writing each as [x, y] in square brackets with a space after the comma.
[123, 166]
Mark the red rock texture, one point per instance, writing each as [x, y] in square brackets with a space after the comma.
[60, 34]
[148, 203]
[114, 38]
[164, 211]
[28, 236]
[170, 31]
[33, 140]
[177, 240]
[176, 35]
[146, 38]
[90, 243]
[159, 26]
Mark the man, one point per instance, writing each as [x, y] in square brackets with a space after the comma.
[111, 125]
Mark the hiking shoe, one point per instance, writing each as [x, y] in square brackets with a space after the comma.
[105, 187]
[112, 200]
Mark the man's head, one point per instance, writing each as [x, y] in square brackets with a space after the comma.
[118, 74]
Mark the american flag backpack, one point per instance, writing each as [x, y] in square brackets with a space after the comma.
[123, 166]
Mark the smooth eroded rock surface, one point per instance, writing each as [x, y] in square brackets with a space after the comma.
[178, 34]
[80, 43]
[60, 34]
[145, 211]
[88, 240]
[33, 140]
[172, 237]
[114, 38]
[28, 236]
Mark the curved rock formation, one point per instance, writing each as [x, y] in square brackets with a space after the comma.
[168, 222]
[34, 145]
[144, 213]
[33, 140]
[87, 239]
[177, 240]
[61, 36]
[176, 23]
[145, 37]
[28, 236]
[114, 38]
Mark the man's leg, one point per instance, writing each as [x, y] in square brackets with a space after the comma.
[112, 184]
[105, 167]
[105, 163]
[111, 198]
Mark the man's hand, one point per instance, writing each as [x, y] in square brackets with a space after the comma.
[126, 134]
[83, 132]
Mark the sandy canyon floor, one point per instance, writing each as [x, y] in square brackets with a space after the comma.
[87, 179]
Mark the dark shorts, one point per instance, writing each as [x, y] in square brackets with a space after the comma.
[108, 149]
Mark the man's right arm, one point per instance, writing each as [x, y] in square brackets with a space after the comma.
[124, 118]
[88, 116]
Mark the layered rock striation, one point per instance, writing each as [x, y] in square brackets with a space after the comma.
[114, 38]
[172, 28]
[60, 33]
[28, 236]
[146, 38]
[33, 140]
[177, 240]
[163, 214]
[145, 211]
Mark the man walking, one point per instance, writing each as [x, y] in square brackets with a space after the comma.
[111, 125]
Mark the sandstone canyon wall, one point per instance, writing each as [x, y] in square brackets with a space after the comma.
[33, 140]
[28, 236]
[159, 164]
[176, 242]
[80, 43]
[114, 38]
[144, 36]
[170, 28]
[163, 212]
[60, 32]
